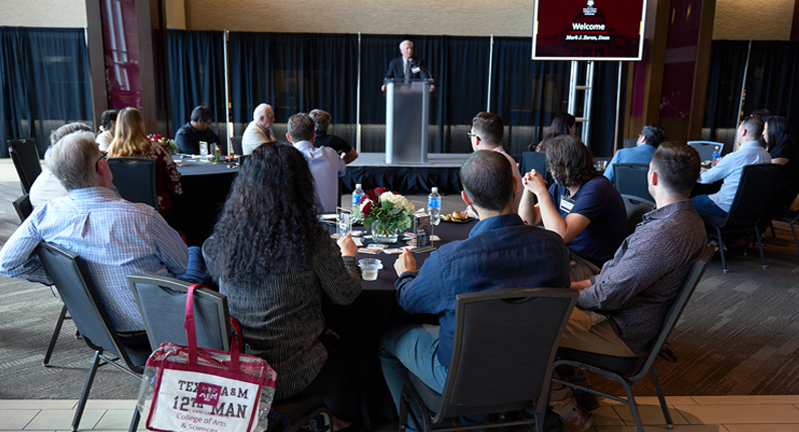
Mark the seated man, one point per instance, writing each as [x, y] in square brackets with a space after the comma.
[621, 310]
[322, 120]
[486, 134]
[46, 186]
[326, 166]
[259, 131]
[501, 252]
[648, 141]
[197, 129]
[730, 168]
[114, 237]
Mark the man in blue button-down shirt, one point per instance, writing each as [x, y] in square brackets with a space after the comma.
[501, 252]
[731, 167]
[114, 237]
[648, 141]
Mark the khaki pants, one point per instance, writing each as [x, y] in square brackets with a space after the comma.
[589, 332]
[581, 269]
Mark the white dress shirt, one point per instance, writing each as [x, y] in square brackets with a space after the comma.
[326, 168]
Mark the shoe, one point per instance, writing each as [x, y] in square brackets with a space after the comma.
[585, 400]
[580, 421]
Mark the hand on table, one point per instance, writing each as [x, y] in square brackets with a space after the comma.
[347, 246]
[405, 262]
[535, 183]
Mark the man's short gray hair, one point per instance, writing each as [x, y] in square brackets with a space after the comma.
[66, 130]
[322, 120]
[73, 160]
[404, 42]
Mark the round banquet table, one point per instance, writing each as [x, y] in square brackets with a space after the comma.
[362, 323]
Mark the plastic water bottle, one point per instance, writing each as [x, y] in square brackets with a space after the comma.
[716, 153]
[434, 206]
[357, 194]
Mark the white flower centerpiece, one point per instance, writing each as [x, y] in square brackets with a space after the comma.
[386, 213]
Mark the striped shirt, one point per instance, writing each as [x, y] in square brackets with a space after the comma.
[112, 236]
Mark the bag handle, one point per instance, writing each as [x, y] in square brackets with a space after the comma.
[191, 333]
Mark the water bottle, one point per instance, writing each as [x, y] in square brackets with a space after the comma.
[217, 153]
[434, 206]
[716, 153]
[357, 194]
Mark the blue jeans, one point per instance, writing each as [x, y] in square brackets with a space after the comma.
[705, 204]
[413, 348]
[195, 268]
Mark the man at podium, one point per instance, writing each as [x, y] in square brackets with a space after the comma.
[407, 66]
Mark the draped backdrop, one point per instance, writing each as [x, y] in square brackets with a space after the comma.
[44, 82]
[44, 76]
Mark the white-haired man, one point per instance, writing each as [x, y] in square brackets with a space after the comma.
[259, 131]
[114, 237]
[407, 66]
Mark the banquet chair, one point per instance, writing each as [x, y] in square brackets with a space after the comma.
[636, 209]
[747, 207]
[25, 156]
[162, 303]
[790, 217]
[71, 277]
[630, 179]
[627, 370]
[236, 142]
[135, 179]
[504, 345]
[22, 206]
[706, 148]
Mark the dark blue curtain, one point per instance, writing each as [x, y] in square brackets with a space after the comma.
[527, 94]
[603, 108]
[296, 72]
[772, 80]
[724, 83]
[196, 75]
[44, 82]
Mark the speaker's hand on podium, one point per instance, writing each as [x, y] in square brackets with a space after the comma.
[383, 87]
[432, 87]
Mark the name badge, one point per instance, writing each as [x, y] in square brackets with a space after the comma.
[566, 203]
[416, 69]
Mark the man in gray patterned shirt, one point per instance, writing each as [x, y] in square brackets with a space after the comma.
[621, 309]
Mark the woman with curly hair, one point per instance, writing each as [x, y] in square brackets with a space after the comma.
[130, 141]
[582, 206]
[276, 263]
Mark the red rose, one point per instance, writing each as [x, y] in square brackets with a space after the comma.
[157, 137]
[366, 208]
[379, 191]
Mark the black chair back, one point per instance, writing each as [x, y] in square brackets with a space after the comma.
[751, 198]
[135, 179]
[630, 142]
[236, 141]
[25, 156]
[677, 306]
[23, 207]
[505, 343]
[162, 303]
[70, 276]
[636, 209]
[630, 179]
[706, 148]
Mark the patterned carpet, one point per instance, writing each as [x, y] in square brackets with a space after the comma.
[736, 337]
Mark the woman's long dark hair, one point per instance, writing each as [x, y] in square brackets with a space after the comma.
[269, 222]
[560, 126]
[779, 133]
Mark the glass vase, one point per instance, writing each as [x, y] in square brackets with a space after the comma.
[384, 232]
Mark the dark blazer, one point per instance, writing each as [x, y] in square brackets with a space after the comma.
[395, 69]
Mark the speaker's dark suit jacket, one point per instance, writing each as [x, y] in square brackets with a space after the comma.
[396, 69]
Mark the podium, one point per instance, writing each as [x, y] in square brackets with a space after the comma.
[407, 114]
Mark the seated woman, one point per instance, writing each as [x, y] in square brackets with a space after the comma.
[276, 264]
[130, 141]
[582, 206]
[562, 124]
[106, 135]
[782, 148]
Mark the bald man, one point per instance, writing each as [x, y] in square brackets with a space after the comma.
[259, 131]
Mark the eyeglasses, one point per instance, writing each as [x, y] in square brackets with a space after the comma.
[473, 135]
[103, 156]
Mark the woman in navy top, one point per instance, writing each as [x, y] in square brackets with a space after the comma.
[582, 206]
[782, 148]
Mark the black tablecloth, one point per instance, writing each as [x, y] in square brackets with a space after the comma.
[195, 167]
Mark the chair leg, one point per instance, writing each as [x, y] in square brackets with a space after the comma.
[771, 226]
[795, 239]
[721, 249]
[661, 398]
[134, 422]
[760, 245]
[633, 406]
[56, 332]
[86, 389]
